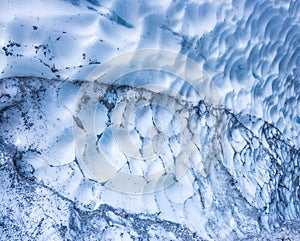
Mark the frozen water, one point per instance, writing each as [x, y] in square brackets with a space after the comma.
[217, 161]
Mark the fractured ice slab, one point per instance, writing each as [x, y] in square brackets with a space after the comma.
[251, 188]
[242, 180]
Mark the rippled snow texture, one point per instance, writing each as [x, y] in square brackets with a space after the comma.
[250, 52]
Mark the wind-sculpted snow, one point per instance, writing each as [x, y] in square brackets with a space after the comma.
[217, 158]
[249, 48]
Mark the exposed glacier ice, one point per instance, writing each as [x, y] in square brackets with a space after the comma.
[238, 130]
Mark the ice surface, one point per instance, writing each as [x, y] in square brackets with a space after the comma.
[239, 153]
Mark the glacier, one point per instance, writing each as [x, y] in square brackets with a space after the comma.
[216, 158]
